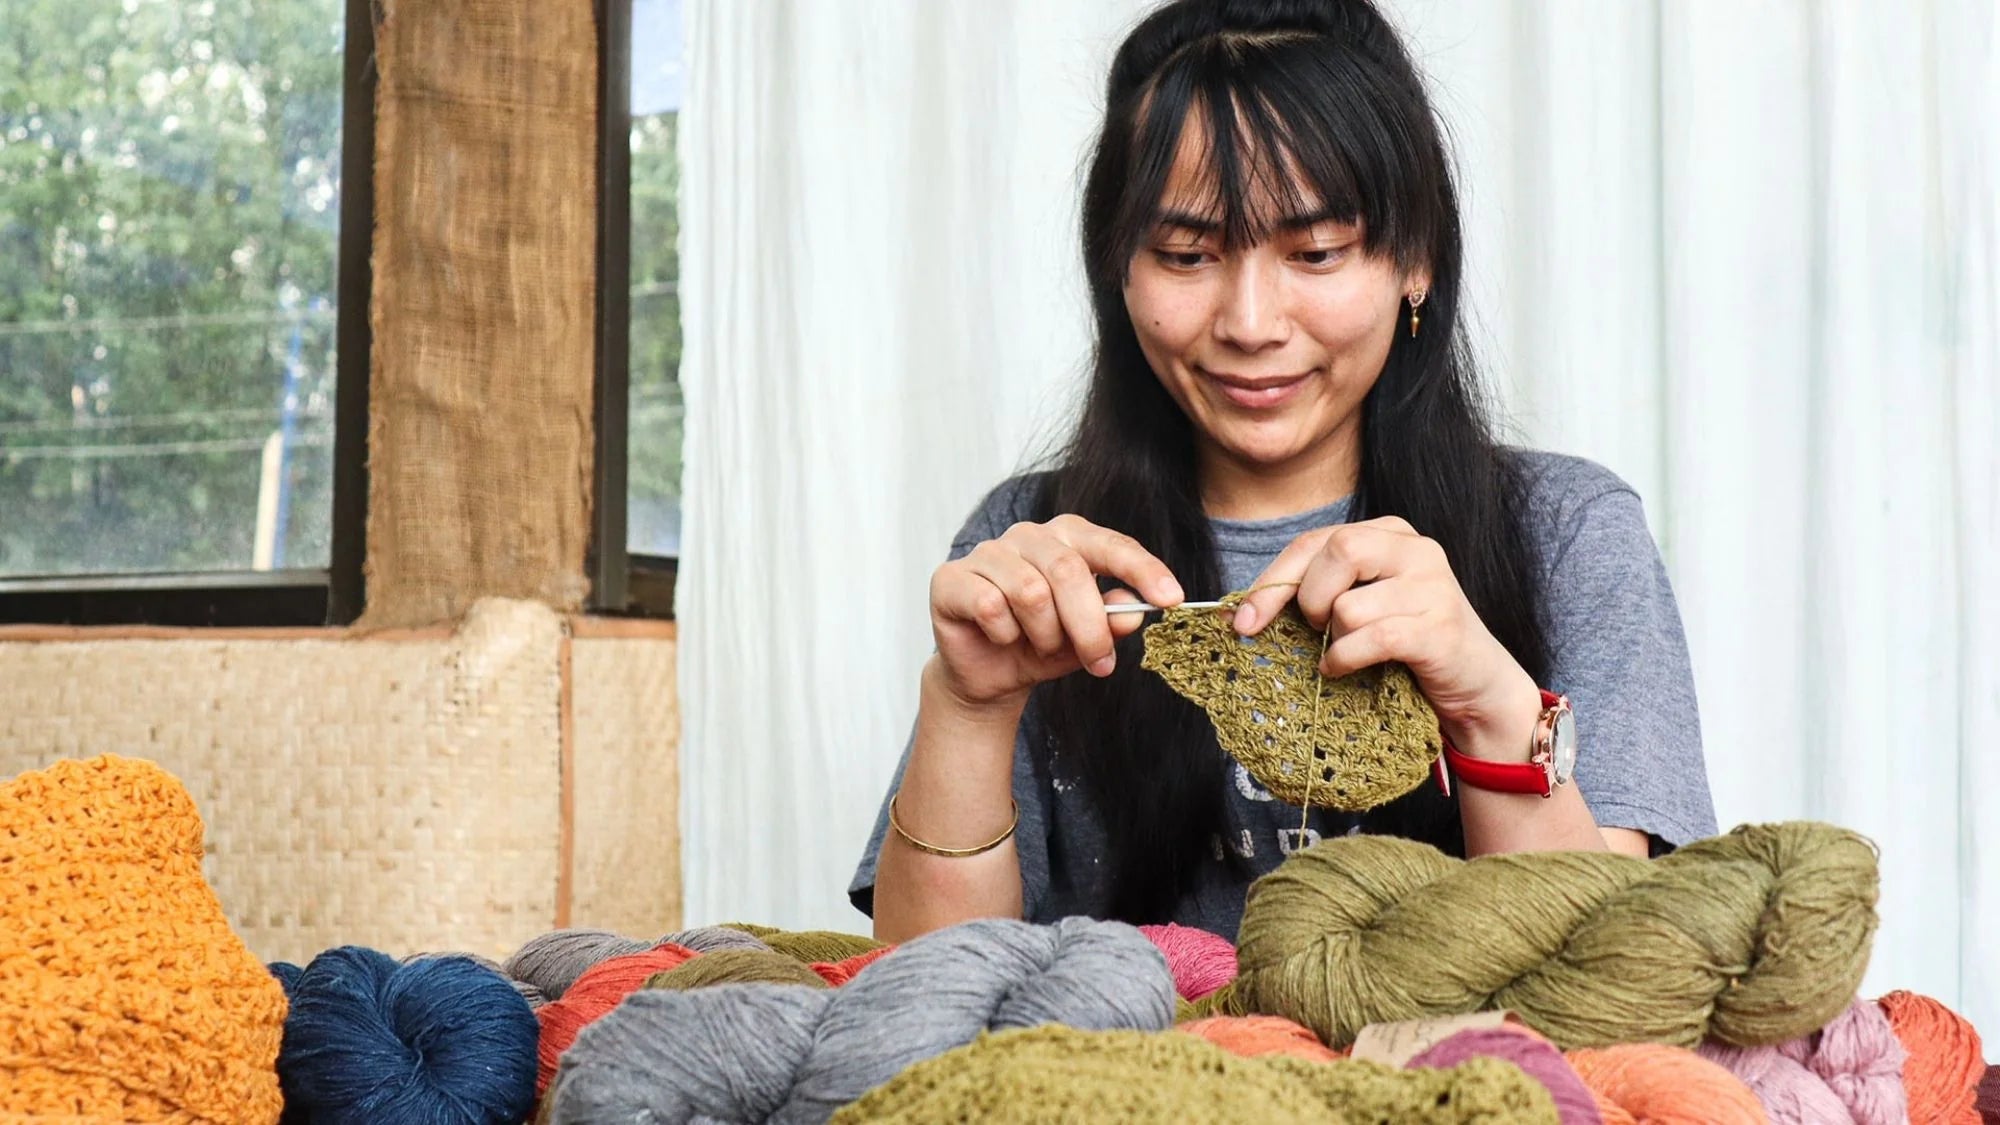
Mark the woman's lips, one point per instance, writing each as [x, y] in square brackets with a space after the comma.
[1257, 393]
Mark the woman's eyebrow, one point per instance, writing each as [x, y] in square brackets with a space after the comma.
[1304, 220]
[1188, 220]
[1308, 219]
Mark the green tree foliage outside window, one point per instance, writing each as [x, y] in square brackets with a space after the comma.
[169, 218]
[654, 457]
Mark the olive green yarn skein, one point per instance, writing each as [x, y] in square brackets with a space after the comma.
[736, 966]
[809, 945]
[1054, 1073]
[1752, 937]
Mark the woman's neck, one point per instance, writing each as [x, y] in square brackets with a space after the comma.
[1235, 489]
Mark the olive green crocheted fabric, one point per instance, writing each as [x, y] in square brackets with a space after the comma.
[1054, 1073]
[1375, 736]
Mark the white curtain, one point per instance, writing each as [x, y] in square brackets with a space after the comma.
[1746, 254]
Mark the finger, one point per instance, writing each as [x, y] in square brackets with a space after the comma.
[1084, 625]
[1029, 598]
[1278, 585]
[1381, 640]
[1395, 524]
[1120, 556]
[1362, 605]
[960, 594]
[1124, 624]
[1353, 554]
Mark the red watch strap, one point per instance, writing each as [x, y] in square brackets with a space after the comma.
[1501, 777]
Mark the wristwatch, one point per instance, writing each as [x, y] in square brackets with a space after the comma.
[1550, 763]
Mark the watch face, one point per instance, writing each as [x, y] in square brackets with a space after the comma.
[1562, 746]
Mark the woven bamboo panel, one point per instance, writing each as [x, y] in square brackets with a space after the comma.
[627, 785]
[403, 794]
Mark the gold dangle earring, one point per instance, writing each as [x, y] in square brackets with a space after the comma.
[1416, 299]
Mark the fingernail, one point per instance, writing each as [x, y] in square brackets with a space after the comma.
[1246, 619]
[1104, 665]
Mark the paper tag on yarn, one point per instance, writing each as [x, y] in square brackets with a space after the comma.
[1395, 1044]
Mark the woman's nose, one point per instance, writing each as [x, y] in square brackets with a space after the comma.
[1252, 315]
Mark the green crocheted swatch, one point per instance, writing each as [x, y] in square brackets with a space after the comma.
[1375, 735]
[1053, 1073]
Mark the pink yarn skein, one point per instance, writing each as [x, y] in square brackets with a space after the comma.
[1537, 1057]
[1849, 1070]
[1201, 962]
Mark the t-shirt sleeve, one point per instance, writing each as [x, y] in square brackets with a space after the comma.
[1619, 653]
[1002, 508]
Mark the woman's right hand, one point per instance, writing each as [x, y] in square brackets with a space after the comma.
[1025, 608]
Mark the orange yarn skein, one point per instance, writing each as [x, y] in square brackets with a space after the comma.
[1941, 1075]
[1654, 1084]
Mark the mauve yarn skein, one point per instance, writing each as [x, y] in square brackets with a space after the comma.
[713, 939]
[1850, 1070]
[553, 961]
[785, 1054]
[1533, 1054]
[529, 993]
[1201, 961]
[437, 1041]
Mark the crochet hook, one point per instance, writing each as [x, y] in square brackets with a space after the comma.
[1142, 607]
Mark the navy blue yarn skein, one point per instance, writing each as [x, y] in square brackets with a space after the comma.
[436, 1041]
[288, 976]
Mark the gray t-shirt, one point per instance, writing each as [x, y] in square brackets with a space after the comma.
[1616, 647]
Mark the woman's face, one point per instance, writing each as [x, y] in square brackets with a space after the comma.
[1268, 348]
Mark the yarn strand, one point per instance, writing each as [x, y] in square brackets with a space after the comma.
[1312, 735]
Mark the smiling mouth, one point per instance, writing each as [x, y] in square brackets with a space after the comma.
[1256, 393]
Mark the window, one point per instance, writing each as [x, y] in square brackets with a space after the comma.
[637, 536]
[653, 500]
[175, 309]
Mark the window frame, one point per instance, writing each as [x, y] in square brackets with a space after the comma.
[621, 583]
[334, 594]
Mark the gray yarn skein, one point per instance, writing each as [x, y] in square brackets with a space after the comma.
[553, 961]
[544, 968]
[713, 939]
[793, 1055]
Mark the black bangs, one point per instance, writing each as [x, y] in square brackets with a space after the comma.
[1293, 127]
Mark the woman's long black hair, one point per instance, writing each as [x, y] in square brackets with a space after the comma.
[1325, 89]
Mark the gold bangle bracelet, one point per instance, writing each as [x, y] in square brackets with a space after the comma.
[954, 853]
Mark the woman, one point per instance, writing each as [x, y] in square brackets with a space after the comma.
[1282, 400]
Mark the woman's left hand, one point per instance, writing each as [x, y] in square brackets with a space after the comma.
[1389, 594]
